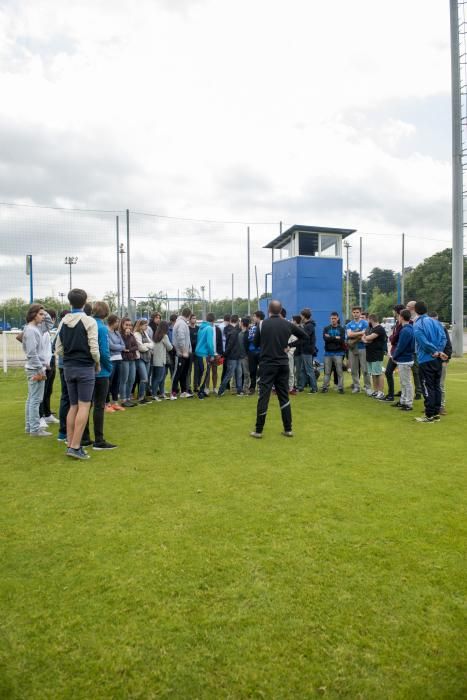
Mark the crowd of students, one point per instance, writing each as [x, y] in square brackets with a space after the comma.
[113, 364]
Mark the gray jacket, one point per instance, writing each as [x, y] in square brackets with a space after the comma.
[159, 352]
[33, 348]
[181, 336]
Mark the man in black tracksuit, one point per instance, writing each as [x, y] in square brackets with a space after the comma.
[272, 337]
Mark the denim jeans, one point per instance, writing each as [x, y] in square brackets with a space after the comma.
[142, 368]
[114, 381]
[158, 380]
[234, 367]
[35, 396]
[307, 371]
[127, 378]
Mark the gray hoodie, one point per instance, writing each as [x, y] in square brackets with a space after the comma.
[181, 336]
[33, 348]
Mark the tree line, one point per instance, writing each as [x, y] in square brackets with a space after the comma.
[430, 281]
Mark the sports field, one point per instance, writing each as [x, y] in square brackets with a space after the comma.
[195, 562]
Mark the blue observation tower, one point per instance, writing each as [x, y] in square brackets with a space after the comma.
[309, 272]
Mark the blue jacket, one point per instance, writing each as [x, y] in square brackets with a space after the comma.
[205, 341]
[405, 348]
[251, 339]
[429, 338]
[104, 350]
[116, 343]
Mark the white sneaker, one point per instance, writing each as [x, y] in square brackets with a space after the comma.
[380, 395]
[40, 433]
[51, 419]
[207, 392]
[42, 424]
[369, 392]
[215, 391]
[183, 395]
[173, 397]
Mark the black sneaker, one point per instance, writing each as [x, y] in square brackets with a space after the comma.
[340, 391]
[144, 400]
[86, 443]
[406, 408]
[418, 397]
[324, 390]
[396, 405]
[104, 446]
[388, 397]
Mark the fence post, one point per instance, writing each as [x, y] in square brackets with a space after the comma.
[5, 362]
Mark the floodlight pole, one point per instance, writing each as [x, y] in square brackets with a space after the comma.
[457, 189]
[403, 270]
[347, 279]
[71, 260]
[128, 285]
[248, 272]
[118, 262]
[360, 287]
[232, 292]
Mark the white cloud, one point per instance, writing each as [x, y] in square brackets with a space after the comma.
[249, 110]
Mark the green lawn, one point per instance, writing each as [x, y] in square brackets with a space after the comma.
[195, 562]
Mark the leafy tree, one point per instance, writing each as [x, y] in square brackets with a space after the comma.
[382, 303]
[431, 281]
[354, 283]
[110, 299]
[383, 280]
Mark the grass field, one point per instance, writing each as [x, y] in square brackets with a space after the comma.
[195, 562]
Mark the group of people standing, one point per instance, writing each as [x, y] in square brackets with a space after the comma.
[114, 364]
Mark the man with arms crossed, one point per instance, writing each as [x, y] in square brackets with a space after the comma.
[334, 341]
[273, 338]
[357, 352]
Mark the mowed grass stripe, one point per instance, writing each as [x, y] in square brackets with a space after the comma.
[194, 562]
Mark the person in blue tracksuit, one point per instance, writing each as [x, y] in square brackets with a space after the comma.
[430, 341]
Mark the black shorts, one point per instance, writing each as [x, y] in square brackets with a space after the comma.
[80, 383]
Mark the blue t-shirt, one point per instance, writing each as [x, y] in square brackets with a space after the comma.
[361, 325]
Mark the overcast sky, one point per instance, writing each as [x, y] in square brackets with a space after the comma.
[321, 113]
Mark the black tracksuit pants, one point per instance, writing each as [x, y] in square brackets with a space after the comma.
[99, 398]
[390, 367]
[277, 376]
[181, 374]
[417, 380]
[253, 362]
[430, 375]
[44, 408]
